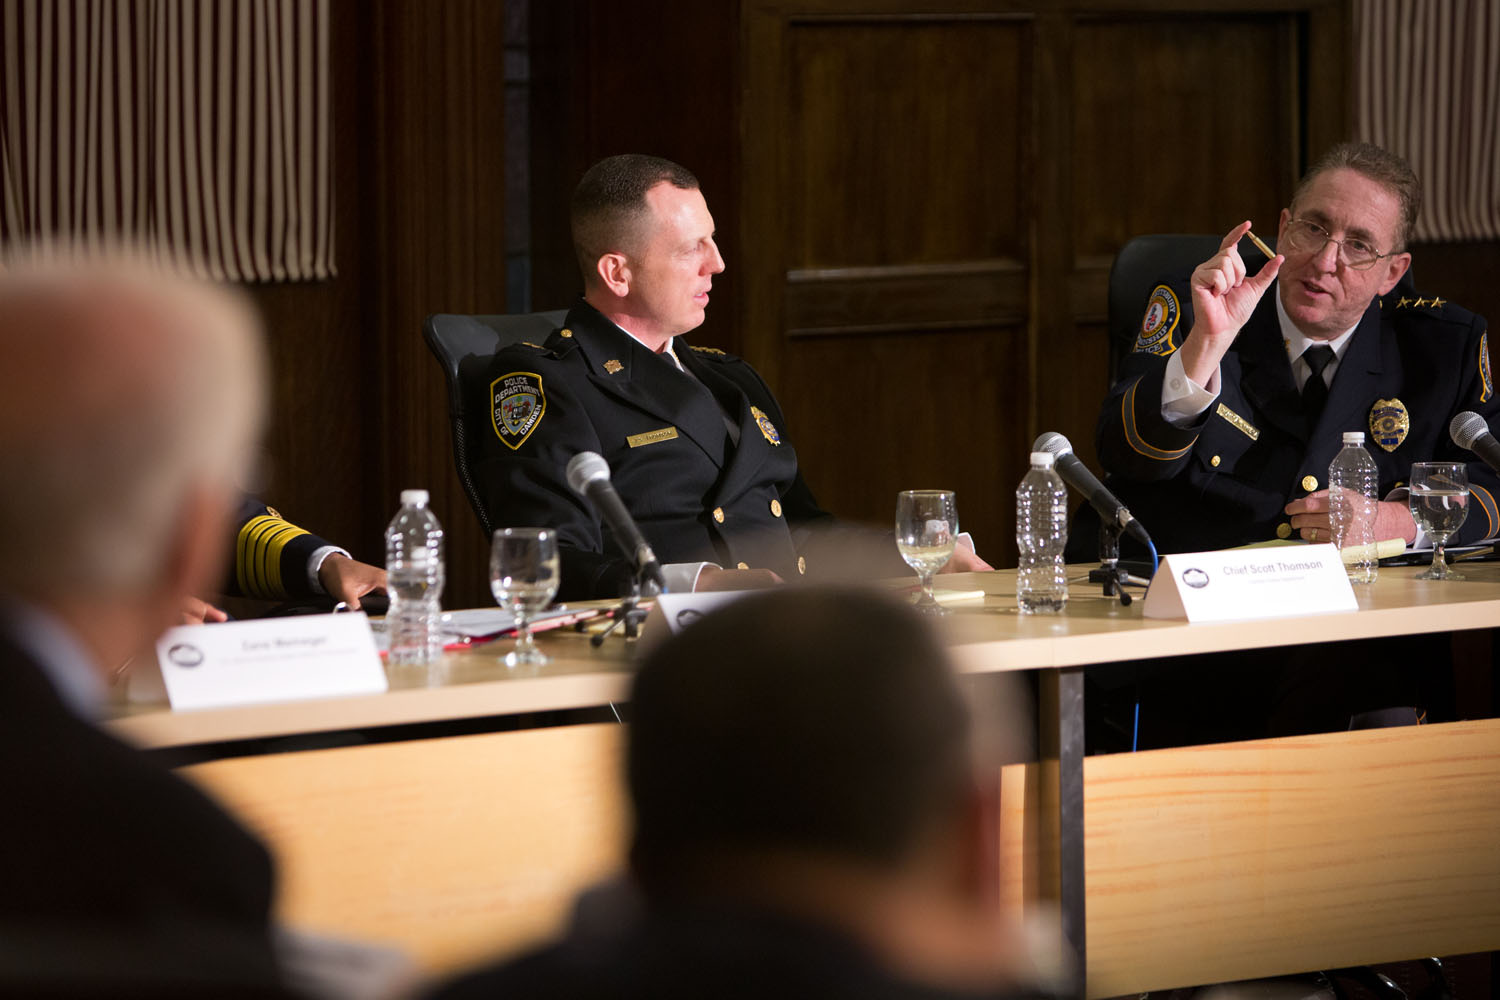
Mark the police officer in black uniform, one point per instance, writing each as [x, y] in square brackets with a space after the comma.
[695, 442]
[1224, 436]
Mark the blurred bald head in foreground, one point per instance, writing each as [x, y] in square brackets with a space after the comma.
[814, 816]
[130, 404]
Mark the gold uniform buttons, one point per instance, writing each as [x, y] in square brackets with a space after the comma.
[1215, 461]
[565, 333]
[775, 508]
[719, 514]
[1309, 483]
[802, 565]
[1283, 530]
[742, 565]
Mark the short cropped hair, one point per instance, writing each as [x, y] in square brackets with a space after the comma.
[609, 204]
[813, 720]
[1381, 166]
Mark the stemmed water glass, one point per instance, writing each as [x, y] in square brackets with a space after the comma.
[523, 577]
[926, 529]
[1439, 498]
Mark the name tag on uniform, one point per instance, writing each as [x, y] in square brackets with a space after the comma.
[1244, 426]
[652, 437]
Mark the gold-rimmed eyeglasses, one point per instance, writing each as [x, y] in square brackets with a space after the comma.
[1309, 237]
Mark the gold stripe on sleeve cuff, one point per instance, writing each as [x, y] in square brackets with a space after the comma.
[258, 555]
[1133, 437]
[1487, 502]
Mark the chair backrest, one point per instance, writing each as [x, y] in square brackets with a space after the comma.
[463, 346]
[1145, 262]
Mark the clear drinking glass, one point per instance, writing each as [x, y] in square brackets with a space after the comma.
[1439, 503]
[523, 577]
[926, 529]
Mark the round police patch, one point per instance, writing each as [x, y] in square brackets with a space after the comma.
[518, 405]
[1159, 323]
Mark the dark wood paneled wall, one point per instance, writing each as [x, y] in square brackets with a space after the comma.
[360, 406]
[926, 195]
[918, 201]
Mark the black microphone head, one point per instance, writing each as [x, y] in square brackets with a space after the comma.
[586, 468]
[1466, 428]
[1053, 442]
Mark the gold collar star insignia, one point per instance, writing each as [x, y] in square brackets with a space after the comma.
[1436, 302]
[1420, 302]
[1403, 302]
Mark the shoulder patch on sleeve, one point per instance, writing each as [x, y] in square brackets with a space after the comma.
[1486, 382]
[517, 406]
[1159, 324]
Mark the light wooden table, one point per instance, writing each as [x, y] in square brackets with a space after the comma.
[1172, 867]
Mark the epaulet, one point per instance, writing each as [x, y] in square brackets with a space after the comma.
[554, 348]
[1407, 302]
[561, 343]
[712, 352]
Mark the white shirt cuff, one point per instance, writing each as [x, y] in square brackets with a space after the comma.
[682, 578]
[1183, 401]
[315, 563]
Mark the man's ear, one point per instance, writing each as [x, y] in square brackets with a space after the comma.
[1397, 267]
[199, 545]
[614, 272]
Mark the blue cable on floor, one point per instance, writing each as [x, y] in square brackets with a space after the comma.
[1135, 729]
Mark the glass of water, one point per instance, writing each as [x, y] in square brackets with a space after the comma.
[1439, 503]
[523, 577]
[926, 529]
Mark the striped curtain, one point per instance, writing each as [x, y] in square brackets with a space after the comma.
[195, 128]
[1427, 86]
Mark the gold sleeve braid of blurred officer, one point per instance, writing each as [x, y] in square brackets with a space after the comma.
[259, 551]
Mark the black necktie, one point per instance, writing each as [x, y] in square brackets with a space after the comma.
[1315, 390]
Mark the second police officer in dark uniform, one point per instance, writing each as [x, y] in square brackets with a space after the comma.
[1241, 454]
[695, 442]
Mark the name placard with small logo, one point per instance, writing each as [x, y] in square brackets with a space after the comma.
[274, 659]
[1241, 584]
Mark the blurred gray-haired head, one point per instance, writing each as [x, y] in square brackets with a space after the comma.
[123, 388]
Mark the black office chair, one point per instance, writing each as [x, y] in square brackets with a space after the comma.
[1145, 262]
[463, 345]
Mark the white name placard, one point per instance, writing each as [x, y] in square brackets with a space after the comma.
[272, 659]
[1236, 584]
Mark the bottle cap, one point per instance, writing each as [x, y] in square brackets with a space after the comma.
[1042, 459]
[413, 498]
[1354, 437]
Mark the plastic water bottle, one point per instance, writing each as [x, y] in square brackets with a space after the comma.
[414, 564]
[1353, 488]
[1041, 534]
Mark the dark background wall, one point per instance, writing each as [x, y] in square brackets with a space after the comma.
[918, 201]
